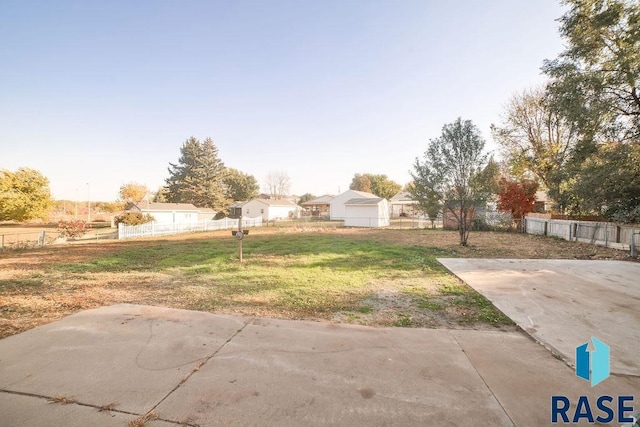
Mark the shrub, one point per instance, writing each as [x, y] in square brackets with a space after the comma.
[133, 218]
[73, 229]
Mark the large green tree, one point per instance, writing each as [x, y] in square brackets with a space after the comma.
[198, 177]
[24, 195]
[378, 184]
[595, 85]
[455, 172]
[596, 79]
[240, 185]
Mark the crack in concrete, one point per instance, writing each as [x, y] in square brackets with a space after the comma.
[200, 365]
[51, 400]
[483, 380]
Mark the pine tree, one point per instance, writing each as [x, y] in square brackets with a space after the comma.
[198, 177]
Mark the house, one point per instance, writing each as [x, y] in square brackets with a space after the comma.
[171, 213]
[269, 209]
[337, 204]
[402, 204]
[366, 212]
[318, 207]
[235, 210]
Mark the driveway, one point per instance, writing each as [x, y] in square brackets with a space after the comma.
[112, 365]
[563, 303]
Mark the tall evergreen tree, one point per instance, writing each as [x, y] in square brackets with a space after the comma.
[198, 177]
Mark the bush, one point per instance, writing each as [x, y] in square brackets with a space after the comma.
[133, 218]
[73, 229]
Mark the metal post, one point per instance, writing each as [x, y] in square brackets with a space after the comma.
[44, 236]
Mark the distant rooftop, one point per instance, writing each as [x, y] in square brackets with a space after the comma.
[364, 201]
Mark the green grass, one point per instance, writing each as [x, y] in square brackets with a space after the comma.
[296, 275]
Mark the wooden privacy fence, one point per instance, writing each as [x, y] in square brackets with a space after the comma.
[595, 232]
[152, 229]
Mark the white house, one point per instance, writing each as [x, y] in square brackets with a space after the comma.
[337, 209]
[171, 213]
[403, 205]
[366, 212]
[269, 209]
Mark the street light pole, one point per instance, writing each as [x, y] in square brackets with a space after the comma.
[88, 203]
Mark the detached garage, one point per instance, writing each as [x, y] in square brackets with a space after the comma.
[366, 212]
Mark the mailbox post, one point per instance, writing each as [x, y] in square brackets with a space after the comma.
[239, 235]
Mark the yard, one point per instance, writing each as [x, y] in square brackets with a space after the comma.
[380, 277]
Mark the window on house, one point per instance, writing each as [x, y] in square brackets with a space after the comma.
[261, 211]
[247, 211]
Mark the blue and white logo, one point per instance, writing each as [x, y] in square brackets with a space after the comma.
[594, 365]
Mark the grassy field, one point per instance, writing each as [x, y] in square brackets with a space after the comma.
[370, 277]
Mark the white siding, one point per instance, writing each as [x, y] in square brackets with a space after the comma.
[172, 217]
[367, 215]
[336, 205]
[257, 207]
[254, 208]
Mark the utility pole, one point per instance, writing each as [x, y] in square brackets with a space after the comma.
[88, 203]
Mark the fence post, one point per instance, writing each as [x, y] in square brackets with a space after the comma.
[44, 236]
[3, 243]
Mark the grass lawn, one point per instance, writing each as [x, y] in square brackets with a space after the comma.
[371, 277]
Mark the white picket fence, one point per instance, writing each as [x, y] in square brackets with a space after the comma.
[152, 229]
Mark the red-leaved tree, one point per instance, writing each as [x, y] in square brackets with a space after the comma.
[517, 197]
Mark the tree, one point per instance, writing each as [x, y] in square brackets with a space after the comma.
[383, 187]
[608, 183]
[198, 177]
[517, 197]
[305, 198]
[596, 79]
[278, 184]
[595, 85]
[241, 186]
[24, 195]
[133, 192]
[536, 138]
[380, 185]
[454, 171]
[361, 183]
[161, 195]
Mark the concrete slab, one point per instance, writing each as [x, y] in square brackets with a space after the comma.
[523, 376]
[127, 355]
[301, 373]
[200, 369]
[562, 303]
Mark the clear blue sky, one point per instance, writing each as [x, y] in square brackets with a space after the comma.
[105, 92]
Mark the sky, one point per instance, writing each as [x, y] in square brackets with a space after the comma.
[96, 94]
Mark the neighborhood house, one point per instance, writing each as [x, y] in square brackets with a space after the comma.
[172, 213]
[268, 209]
